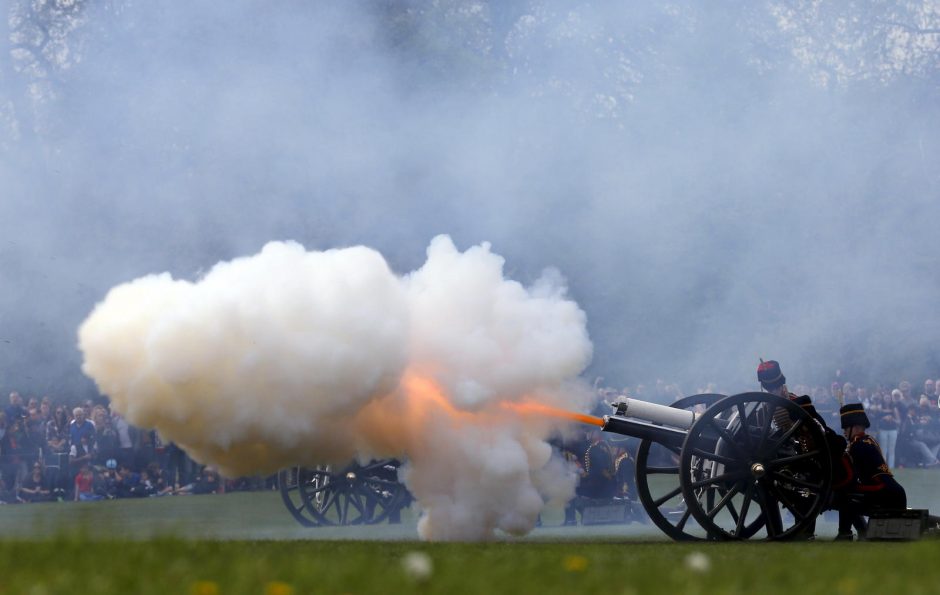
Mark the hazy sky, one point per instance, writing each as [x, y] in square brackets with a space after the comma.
[717, 184]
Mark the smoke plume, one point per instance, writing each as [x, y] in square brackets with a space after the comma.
[299, 357]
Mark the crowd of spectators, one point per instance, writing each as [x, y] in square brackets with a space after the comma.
[905, 418]
[50, 451]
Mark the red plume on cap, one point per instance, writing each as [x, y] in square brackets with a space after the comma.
[770, 376]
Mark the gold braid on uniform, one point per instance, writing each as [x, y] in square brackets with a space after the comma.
[587, 458]
[783, 421]
[626, 455]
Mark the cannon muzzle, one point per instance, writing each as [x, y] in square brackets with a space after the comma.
[644, 430]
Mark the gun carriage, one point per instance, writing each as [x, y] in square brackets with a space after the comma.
[752, 465]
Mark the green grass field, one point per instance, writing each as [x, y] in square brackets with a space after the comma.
[183, 566]
[248, 543]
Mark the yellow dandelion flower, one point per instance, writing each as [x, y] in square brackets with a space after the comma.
[847, 586]
[575, 563]
[278, 588]
[204, 588]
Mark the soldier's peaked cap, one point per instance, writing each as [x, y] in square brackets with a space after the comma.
[770, 376]
[806, 403]
[853, 414]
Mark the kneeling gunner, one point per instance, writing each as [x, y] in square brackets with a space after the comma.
[870, 484]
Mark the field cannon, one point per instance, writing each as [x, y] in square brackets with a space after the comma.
[709, 466]
[752, 465]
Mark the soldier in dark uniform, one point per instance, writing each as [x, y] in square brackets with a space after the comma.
[572, 448]
[597, 478]
[596, 469]
[773, 381]
[625, 474]
[870, 484]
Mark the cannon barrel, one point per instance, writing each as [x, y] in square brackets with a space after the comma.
[656, 414]
[649, 421]
[644, 430]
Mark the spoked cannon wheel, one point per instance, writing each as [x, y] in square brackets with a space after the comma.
[352, 495]
[766, 467]
[658, 485]
[300, 490]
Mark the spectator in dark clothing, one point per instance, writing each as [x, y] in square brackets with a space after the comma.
[109, 481]
[7, 495]
[127, 483]
[908, 455]
[35, 487]
[158, 480]
[35, 437]
[57, 433]
[145, 449]
[81, 454]
[45, 410]
[926, 438]
[207, 482]
[902, 396]
[145, 487]
[16, 451]
[106, 440]
[179, 466]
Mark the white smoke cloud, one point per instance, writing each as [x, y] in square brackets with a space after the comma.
[484, 336]
[295, 357]
[255, 363]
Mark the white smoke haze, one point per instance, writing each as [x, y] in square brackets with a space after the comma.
[671, 157]
[294, 357]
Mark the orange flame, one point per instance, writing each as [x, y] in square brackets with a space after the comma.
[531, 408]
[422, 393]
